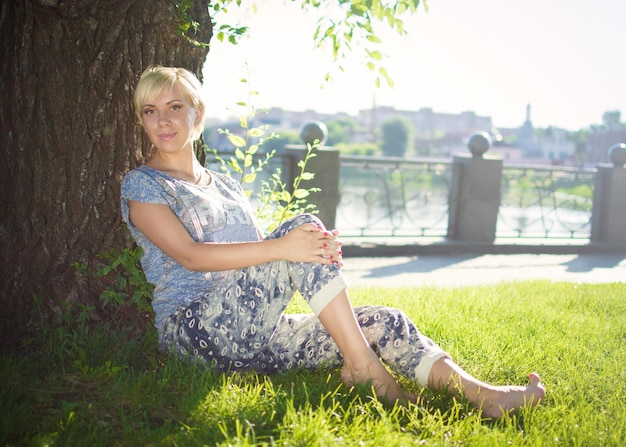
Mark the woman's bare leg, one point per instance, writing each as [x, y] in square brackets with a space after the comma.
[494, 401]
[361, 365]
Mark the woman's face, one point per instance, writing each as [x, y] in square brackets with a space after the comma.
[169, 120]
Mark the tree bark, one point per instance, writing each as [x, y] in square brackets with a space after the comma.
[68, 70]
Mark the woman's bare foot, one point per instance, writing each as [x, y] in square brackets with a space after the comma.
[495, 401]
[373, 373]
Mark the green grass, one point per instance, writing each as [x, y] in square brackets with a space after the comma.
[101, 386]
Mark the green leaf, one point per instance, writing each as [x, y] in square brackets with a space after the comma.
[247, 161]
[376, 55]
[235, 164]
[307, 176]
[257, 131]
[236, 140]
[373, 38]
[249, 178]
[300, 193]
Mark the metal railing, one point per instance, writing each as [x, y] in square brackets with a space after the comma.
[388, 196]
[384, 196]
[546, 202]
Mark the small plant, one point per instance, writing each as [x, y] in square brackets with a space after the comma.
[276, 202]
[243, 163]
[130, 285]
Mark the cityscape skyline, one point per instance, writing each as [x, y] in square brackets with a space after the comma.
[489, 58]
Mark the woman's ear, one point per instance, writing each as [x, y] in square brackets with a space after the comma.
[199, 114]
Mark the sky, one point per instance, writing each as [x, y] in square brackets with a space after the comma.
[566, 58]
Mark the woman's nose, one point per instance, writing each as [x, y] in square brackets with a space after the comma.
[164, 119]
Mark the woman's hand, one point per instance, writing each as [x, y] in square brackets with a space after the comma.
[313, 243]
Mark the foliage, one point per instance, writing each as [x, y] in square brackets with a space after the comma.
[97, 386]
[612, 118]
[396, 137]
[276, 201]
[129, 287]
[341, 25]
[186, 26]
[358, 149]
[243, 165]
[579, 139]
[352, 21]
[340, 131]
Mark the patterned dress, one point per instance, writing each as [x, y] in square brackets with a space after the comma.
[235, 320]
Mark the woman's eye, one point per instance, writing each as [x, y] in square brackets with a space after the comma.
[176, 107]
[148, 111]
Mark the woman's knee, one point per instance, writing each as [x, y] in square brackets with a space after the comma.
[385, 318]
[304, 218]
[295, 222]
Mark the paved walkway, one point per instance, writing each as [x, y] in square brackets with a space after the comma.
[464, 270]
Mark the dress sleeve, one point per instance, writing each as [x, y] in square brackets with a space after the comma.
[140, 187]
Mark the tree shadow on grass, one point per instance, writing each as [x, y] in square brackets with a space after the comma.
[114, 388]
[422, 264]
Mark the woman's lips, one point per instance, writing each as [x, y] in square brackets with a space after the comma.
[167, 136]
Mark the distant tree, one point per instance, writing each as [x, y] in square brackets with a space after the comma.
[278, 144]
[340, 131]
[611, 118]
[579, 138]
[396, 136]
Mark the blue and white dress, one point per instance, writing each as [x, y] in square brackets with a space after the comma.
[235, 320]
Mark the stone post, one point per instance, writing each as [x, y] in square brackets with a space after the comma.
[325, 166]
[608, 216]
[475, 192]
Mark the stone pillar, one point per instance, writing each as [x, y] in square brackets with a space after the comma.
[608, 216]
[325, 166]
[475, 192]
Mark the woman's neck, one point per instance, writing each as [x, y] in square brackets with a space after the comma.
[188, 168]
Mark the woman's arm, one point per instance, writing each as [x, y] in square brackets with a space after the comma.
[161, 226]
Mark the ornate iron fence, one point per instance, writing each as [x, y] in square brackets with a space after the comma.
[545, 202]
[386, 196]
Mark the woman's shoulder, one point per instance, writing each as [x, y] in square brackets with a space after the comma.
[139, 171]
[140, 181]
[144, 173]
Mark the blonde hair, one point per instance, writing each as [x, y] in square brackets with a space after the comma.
[155, 80]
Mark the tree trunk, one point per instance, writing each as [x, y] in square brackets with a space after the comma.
[69, 131]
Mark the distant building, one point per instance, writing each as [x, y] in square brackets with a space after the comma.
[551, 146]
[427, 124]
[601, 138]
[442, 134]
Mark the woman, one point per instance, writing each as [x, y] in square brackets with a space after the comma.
[221, 288]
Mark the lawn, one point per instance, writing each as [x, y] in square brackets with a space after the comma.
[76, 385]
